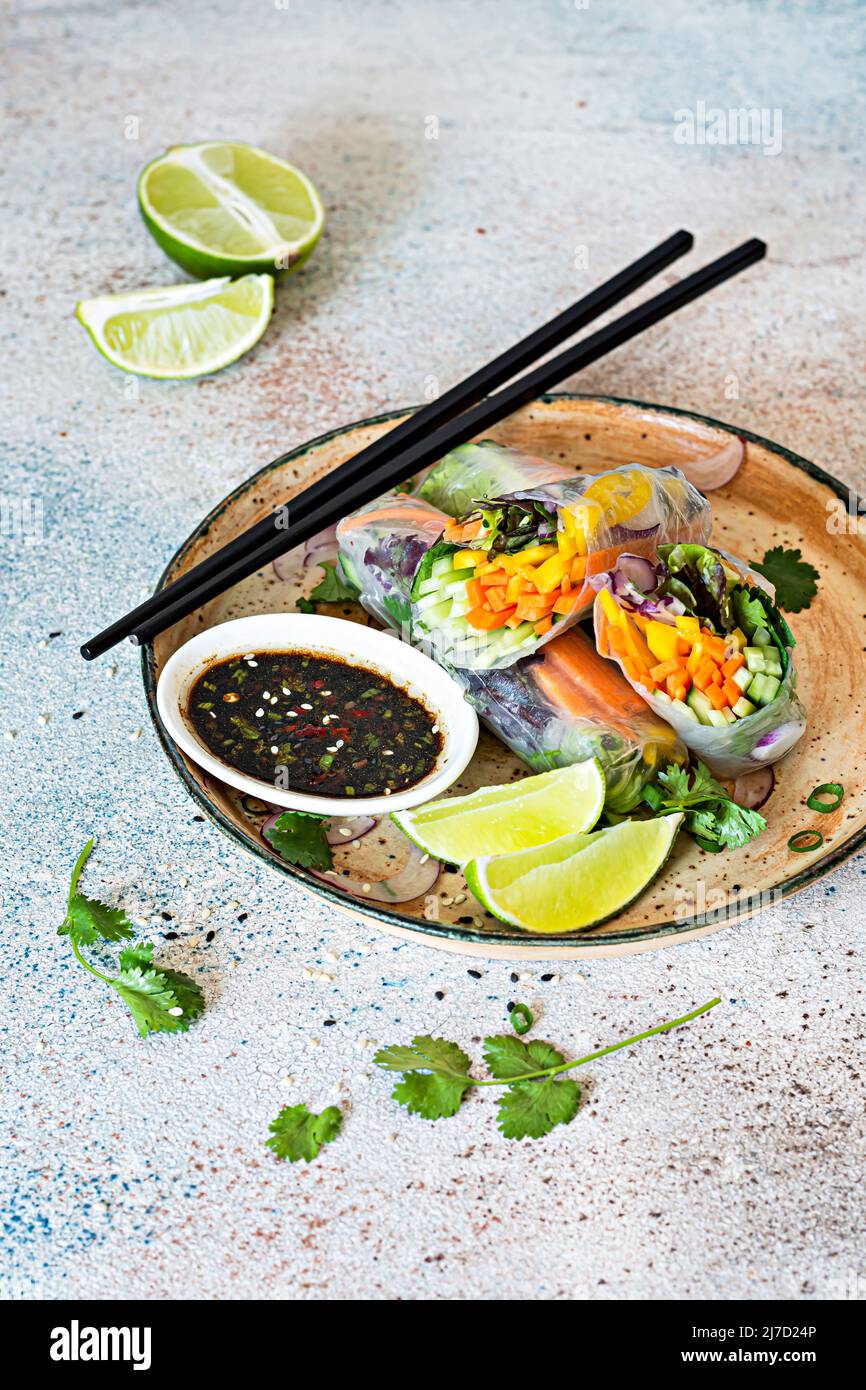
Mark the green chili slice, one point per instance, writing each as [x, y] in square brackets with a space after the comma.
[805, 840]
[833, 789]
[521, 1018]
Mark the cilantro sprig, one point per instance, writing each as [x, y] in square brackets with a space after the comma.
[794, 579]
[331, 588]
[435, 1077]
[160, 1000]
[716, 821]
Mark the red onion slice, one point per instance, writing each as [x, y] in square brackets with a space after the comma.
[709, 473]
[321, 548]
[416, 878]
[753, 789]
[344, 829]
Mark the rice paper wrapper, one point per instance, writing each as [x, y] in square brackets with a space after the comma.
[473, 472]
[555, 708]
[632, 508]
[380, 549]
[756, 741]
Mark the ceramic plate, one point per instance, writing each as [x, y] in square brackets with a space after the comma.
[776, 498]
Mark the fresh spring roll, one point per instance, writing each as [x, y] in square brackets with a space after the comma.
[515, 572]
[698, 634]
[474, 471]
[558, 707]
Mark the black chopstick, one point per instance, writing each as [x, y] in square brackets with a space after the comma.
[418, 425]
[489, 412]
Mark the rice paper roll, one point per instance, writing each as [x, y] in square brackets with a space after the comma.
[473, 472]
[698, 635]
[560, 706]
[517, 571]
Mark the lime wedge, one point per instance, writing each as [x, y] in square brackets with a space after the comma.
[576, 881]
[227, 209]
[498, 820]
[182, 330]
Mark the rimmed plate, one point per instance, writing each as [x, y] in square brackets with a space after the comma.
[777, 498]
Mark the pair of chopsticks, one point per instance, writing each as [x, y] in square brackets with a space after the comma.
[423, 438]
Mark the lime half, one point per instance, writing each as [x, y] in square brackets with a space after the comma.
[228, 209]
[182, 330]
[498, 820]
[576, 881]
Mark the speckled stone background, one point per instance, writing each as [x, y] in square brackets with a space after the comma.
[724, 1160]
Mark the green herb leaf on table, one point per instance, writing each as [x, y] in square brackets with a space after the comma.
[436, 1077]
[430, 1095]
[88, 920]
[306, 605]
[160, 1001]
[299, 838]
[794, 579]
[332, 588]
[710, 813]
[428, 1054]
[530, 1109]
[297, 1133]
[507, 1056]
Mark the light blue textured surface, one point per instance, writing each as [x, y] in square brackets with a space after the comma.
[724, 1160]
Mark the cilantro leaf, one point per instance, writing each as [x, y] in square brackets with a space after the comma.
[430, 1095]
[793, 578]
[151, 994]
[332, 588]
[437, 1055]
[508, 1056]
[306, 605]
[88, 919]
[710, 813]
[140, 953]
[298, 1133]
[299, 838]
[529, 1109]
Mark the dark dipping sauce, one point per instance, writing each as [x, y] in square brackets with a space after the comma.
[315, 724]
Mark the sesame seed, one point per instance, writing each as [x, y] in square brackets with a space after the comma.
[387, 752]
[344, 830]
[43, 644]
[252, 663]
[440, 994]
[210, 936]
[207, 912]
[476, 974]
[326, 692]
[274, 748]
[290, 714]
[259, 712]
[10, 734]
[136, 733]
[286, 690]
[273, 699]
[341, 742]
[435, 729]
[331, 748]
[266, 694]
[288, 1079]
[306, 706]
[366, 888]
[176, 1011]
[42, 719]
[424, 858]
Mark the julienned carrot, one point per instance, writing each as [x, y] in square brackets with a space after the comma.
[485, 621]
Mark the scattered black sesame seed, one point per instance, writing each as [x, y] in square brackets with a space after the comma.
[55, 634]
[465, 921]
[476, 974]
[329, 1022]
[78, 713]
[450, 868]
[514, 978]
[167, 916]
[242, 916]
[170, 935]
[510, 1006]
[210, 936]
[440, 994]
[546, 978]
[201, 818]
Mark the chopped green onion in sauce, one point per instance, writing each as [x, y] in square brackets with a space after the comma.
[316, 724]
